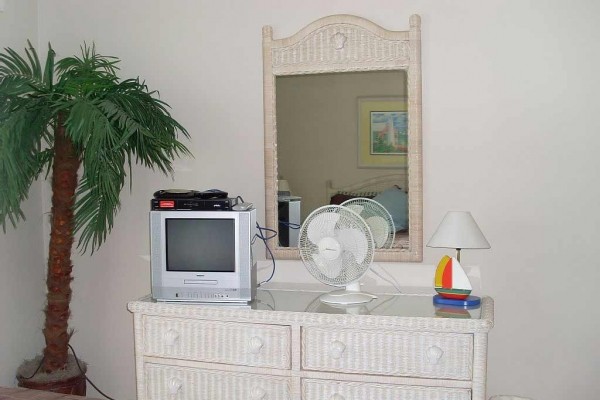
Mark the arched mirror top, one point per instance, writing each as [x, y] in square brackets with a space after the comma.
[355, 48]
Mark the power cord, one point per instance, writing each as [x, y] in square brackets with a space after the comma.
[290, 225]
[265, 238]
[36, 370]
[84, 374]
[392, 280]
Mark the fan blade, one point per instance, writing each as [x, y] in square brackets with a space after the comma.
[331, 268]
[380, 230]
[357, 208]
[322, 225]
[354, 241]
[319, 261]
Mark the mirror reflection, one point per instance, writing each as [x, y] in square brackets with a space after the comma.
[341, 137]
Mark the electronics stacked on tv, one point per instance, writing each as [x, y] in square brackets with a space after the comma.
[192, 200]
[200, 247]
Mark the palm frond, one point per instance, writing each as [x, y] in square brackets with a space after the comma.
[45, 159]
[90, 61]
[150, 132]
[24, 120]
[19, 75]
[48, 76]
[98, 199]
[20, 163]
[34, 61]
[103, 177]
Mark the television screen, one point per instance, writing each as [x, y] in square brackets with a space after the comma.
[202, 245]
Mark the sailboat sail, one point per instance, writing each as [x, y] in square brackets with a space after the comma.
[451, 281]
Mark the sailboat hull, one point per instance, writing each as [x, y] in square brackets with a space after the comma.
[453, 293]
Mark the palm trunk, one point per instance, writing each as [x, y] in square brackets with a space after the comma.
[58, 281]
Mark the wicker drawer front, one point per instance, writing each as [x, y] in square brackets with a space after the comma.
[428, 355]
[180, 383]
[220, 342]
[313, 389]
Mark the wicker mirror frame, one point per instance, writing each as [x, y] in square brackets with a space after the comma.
[346, 43]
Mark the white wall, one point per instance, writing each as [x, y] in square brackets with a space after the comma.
[510, 133]
[21, 252]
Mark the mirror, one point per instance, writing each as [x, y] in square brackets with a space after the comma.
[333, 92]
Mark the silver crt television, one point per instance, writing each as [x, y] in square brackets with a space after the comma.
[203, 256]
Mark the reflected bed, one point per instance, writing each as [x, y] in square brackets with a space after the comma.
[372, 188]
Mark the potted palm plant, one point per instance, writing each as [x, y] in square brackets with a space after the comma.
[75, 121]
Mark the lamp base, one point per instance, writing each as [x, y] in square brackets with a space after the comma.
[470, 301]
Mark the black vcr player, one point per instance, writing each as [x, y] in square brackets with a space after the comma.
[191, 200]
[192, 204]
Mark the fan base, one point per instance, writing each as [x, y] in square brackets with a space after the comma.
[347, 297]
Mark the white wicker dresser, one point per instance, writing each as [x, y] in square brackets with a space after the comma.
[288, 345]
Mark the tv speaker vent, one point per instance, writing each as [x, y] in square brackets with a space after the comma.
[201, 295]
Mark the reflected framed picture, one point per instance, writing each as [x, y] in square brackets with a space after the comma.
[382, 132]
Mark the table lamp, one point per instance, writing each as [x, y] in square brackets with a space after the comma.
[283, 187]
[458, 230]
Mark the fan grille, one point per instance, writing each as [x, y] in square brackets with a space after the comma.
[336, 245]
[377, 217]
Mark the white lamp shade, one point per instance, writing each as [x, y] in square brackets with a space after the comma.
[458, 230]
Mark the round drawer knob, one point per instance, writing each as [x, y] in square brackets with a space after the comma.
[171, 336]
[434, 354]
[174, 385]
[255, 344]
[257, 393]
[337, 396]
[336, 350]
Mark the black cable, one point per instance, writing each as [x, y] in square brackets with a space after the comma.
[261, 236]
[273, 260]
[272, 307]
[36, 370]
[84, 374]
[265, 238]
[290, 225]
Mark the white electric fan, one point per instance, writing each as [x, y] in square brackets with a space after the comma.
[337, 248]
[377, 217]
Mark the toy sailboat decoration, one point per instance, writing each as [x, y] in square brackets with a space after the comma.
[451, 281]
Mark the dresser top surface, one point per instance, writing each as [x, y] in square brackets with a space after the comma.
[279, 306]
[391, 305]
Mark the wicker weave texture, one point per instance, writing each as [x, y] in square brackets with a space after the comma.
[181, 383]
[355, 48]
[315, 389]
[414, 354]
[200, 312]
[204, 352]
[221, 342]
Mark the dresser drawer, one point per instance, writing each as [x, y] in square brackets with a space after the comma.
[181, 383]
[314, 389]
[221, 342]
[399, 353]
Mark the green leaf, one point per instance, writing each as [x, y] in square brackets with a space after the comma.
[20, 143]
